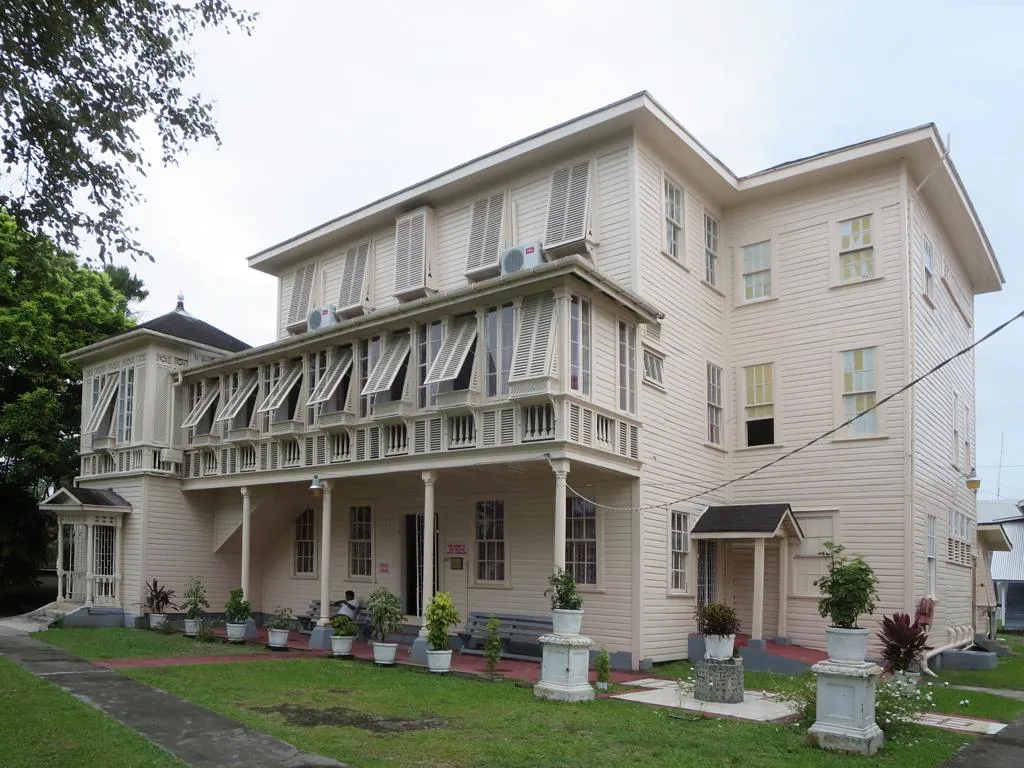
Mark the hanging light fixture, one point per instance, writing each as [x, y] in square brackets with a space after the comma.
[316, 487]
[973, 481]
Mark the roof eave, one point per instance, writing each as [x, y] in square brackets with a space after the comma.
[132, 337]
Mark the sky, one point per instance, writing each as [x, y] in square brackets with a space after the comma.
[329, 105]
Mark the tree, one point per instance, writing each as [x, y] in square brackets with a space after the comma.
[127, 284]
[79, 81]
[49, 305]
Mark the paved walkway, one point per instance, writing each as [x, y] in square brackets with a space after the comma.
[200, 737]
[1018, 695]
[1004, 750]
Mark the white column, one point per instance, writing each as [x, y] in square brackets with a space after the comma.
[246, 534]
[88, 564]
[783, 628]
[60, 561]
[428, 542]
[325, 557]
[1003, 585]
[756, 626]
[561, 469]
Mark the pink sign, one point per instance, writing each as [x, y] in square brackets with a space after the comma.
[384, 567]
[455, 550]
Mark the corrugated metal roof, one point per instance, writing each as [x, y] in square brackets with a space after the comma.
[990, 511]
[1009, 566]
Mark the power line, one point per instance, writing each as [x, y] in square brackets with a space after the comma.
[909, 385]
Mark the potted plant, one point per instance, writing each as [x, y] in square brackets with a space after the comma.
[195, 605]
[238, 611]
[158, 600]
[903, 647]
[603, 667]
[440, 616]
[385, 611]
[345, 631]
[277, 627]
[848, 590]
[719, 625]
[566, 603]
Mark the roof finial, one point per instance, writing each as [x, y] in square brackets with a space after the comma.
[181, 302]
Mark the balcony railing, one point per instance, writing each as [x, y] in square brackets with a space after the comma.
[538, 422]
[287, 427]
[461, 432]
[243, 434]
[396, 440]
[460, 399]
[333, 419]
[205, 439]
[393, 409]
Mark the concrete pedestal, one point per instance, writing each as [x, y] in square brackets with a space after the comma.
[719, 681]
[565, 667]
[418, 652]
[846, 708]
[320, 638]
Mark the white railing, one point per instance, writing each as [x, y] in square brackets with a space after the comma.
[538, 422]
[210, 463]
[71, 586]
[104, 590]
[247, 459]
[461, 431]
[339, 447]
[291, 453]
[396, 440]
[604, 432]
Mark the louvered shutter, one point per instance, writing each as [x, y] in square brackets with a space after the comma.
[353, 277]
[453, 352]
[200, 409]
[531, 358]
[302, 287]
[568, 204]
[332, 378]
[383, 374]
[411, 257]
[280, 390]
[485, 230]
[234, 404]
[103, 404]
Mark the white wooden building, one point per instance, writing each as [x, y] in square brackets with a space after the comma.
[548, 355]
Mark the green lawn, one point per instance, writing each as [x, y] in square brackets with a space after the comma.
[41, 726]
[1008, 675]
[119, 643]
[357, 713]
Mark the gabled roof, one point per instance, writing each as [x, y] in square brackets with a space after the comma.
[755, 521]
[86, 498]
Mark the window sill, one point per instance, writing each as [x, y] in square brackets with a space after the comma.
[928, 300]
[712, 287]
[361, 579]
[761, 447]
[850, 283]
[655, 385]
[676, 594]
[715, 447]
[305, 576]
[859, 438]
[592, 589]
[756, 302]
[490, 585]
[679, 262]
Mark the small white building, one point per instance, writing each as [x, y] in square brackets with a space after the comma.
[562, 353]
[1007, 563]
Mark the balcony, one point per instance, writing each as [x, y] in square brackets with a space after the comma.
[287, 427]
[337, 419]
[243, 435]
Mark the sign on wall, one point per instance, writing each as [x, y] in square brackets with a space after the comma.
[384, 567]
[456, 550]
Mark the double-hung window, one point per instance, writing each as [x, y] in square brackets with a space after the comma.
[679, 546]
[856, 250]
[958, 544]
[317, 371]
[627, 367]
[369, 356]
[581, 539]
[757, 271]
[932, 587]
[125, 405]
[710, 249]
[360, 542]
[579, 345]
[759, 412]
[305, 544]
[674, 212]
[499, 330]
[860, 389]
[430, 339]
[490, 541]
[714, 404]
[928, 258]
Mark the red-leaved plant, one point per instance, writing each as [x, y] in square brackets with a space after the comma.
[903, 643]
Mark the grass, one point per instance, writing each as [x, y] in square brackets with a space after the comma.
[1009, 675]
[119, 643]
[41, 726]
[494, 724]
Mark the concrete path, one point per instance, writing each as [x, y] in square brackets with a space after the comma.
[197, 735]
[1004, 750]
[1008, 694]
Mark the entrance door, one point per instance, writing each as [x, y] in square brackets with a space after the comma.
[413, 561]
[707, 563]
[74, 553]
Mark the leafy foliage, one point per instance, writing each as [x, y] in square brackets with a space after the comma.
[903, 642]
[158, 597]
[237, 608]
[385, 611]
[280, 619]
[492, 646]
[343, 626]
[603, 666]
[195, 601]
[849, 589]
[562, 591]
[81, 83]
[716, 619]
[441, 614]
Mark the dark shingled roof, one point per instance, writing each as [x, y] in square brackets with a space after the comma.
[90, 497]
[182, 325]
[742, 518]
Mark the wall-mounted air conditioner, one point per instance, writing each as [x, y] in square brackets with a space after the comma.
[520, 257]
[320, 318]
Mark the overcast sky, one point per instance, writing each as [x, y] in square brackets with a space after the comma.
[330, 105]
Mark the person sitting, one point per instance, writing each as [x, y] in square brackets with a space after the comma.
[349, 606]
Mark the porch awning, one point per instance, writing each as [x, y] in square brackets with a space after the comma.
[993, 537]
[747, 521]
[86, 500]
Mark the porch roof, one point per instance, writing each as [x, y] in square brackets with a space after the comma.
[86, 500]
[747, 521]
[994, 537]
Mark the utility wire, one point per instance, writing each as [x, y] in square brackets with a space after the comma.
[909, 385]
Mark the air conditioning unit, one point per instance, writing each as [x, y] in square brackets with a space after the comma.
[520, 257]
[320, 318]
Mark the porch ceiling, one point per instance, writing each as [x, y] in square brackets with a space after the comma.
[994, 537]
[747, 521]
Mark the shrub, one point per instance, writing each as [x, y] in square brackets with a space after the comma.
[563, 592]
[716, 619]
[158, 597]
[206, 633]
[903, 643]
[281, 619]
[603, 666]
[343, 626]
[848, 590]
[492, 646]
[441, 614]
[237, 607]
[385, 611]
[196, 602]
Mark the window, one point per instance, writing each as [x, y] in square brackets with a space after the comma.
[714, 404]
[329, 393]
[931, 587]
[674, 208]
[485, 232]
[929, 268]
[534, 342]
[956, 430]
[99, 418]
[301, 290]
[430, 339]
[499, 326]
[369, 354]
[579, 345]
[490, 541]
[859, 390]
[360, 542]
[654, 368]
[627, 367]
[679, 546]
[352, 292]
[959, 539]
[125, 405]
[759, 413]
[305, 544]
[387, 378]
[856, 250]
[317, 373]
[202, 396]
[757, 271]
[710, 249]
[968, 466]
[581, 539]
[808, 562]
[568, 202]
[453, 368]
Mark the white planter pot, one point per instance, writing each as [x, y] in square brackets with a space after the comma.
[277, 638]
[601, 686]
[847, 646]
[157, 620]
[719, 647]
[439, 661]
[385, 653]
[192, 627]
[341, 646]
[566, 622]
[236, 633]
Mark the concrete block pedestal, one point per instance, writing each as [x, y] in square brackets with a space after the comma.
[846, 708]
[565, 667]
[719, 681]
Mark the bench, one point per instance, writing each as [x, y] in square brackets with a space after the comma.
[309, 619]
[520, 635]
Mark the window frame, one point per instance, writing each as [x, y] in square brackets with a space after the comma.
[477, 580]
[852, 431]
[581, 331]
[673, 231]
[715, 406]
[428, 345]
[957, 445]
[656, 357]
[931, 555]
[747, 406]
[672, 570]
[124, 413]
[743, 272]
[502, 350]
[314, 549]
[928, 270]
[572, 501]
[850, 217]
[712, 244]
[959, 538]
[371, 541]
[625, 366]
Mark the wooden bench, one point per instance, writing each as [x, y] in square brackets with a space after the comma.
[309, 619]
[519, 634]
